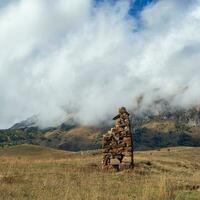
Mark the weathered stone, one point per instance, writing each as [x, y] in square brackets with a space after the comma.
[117, 143]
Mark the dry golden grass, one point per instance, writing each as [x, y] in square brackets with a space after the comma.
[31, 172]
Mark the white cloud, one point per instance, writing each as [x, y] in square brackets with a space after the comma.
[64, 53]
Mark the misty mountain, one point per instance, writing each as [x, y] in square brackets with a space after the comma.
[160, 126]
[31, 122]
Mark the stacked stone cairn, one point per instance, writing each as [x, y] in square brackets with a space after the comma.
[118, 144]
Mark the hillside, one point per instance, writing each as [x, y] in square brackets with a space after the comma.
[33, 172]
[166, 133]
[75, 139]
[163, 129]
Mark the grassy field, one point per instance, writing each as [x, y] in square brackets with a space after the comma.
[32, 172]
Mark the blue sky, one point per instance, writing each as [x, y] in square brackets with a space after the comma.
[136, 5]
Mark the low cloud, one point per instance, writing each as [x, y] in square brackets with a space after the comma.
[58, 57]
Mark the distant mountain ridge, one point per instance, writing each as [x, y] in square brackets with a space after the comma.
[160, 126]
[29, 122]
